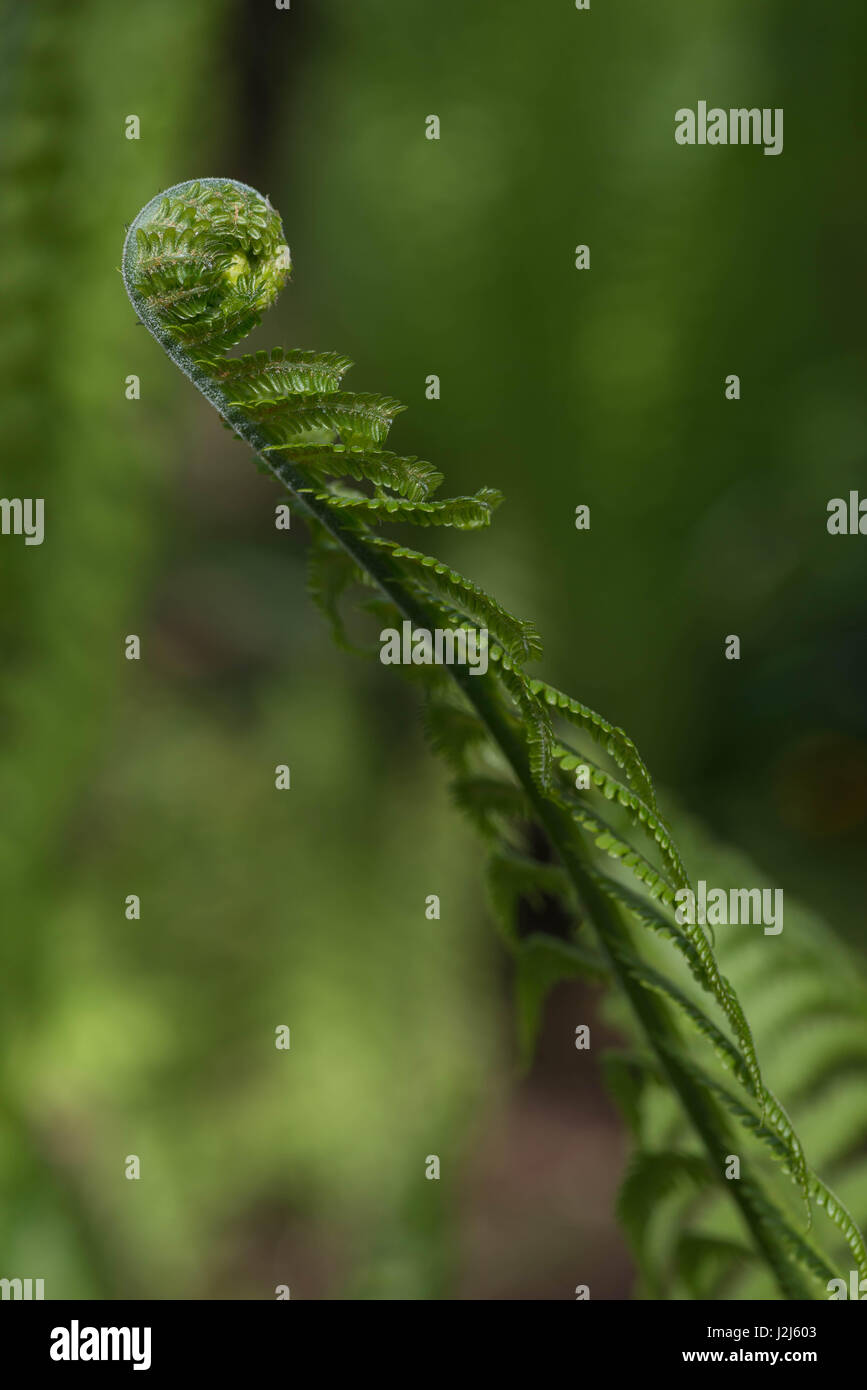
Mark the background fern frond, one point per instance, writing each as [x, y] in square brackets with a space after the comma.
[453, 730]
[486, 800]
[542, 961]
[650, 1179]
[702, 1262]
[331, 572]
[811, 980]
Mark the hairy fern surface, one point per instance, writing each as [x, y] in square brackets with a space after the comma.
[202, 262]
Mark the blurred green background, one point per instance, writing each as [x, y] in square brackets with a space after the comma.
[306, 908]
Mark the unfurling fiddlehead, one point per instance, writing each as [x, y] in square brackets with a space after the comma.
[201, 264]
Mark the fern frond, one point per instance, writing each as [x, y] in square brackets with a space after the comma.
[818, 1047]
[646, 819]
[724, 1048]
[409, 477]
[774, 1125]
[452, 731]
[358, 419]
[609, 736]
[465, 513]
[513, 877]
[650, 1179]
[773, 1222]
[542, 961]
[773, 1128]
[843, 1220]
[330, 573]
[276, 373]
[626, 1077]
[537, 732]
[607, 839]
[486, 799]
[800, 1249]
[518, 637]
[201, 264]
[702, 1261]
[644, 911]
[692, 944]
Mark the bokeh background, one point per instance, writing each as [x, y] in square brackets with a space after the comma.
[604, 387]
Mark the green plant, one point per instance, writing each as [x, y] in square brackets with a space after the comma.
[201, 264]
[806, 1003]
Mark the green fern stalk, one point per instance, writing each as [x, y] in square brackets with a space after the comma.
[201, 263]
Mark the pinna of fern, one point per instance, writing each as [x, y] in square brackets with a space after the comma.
[202, 262]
